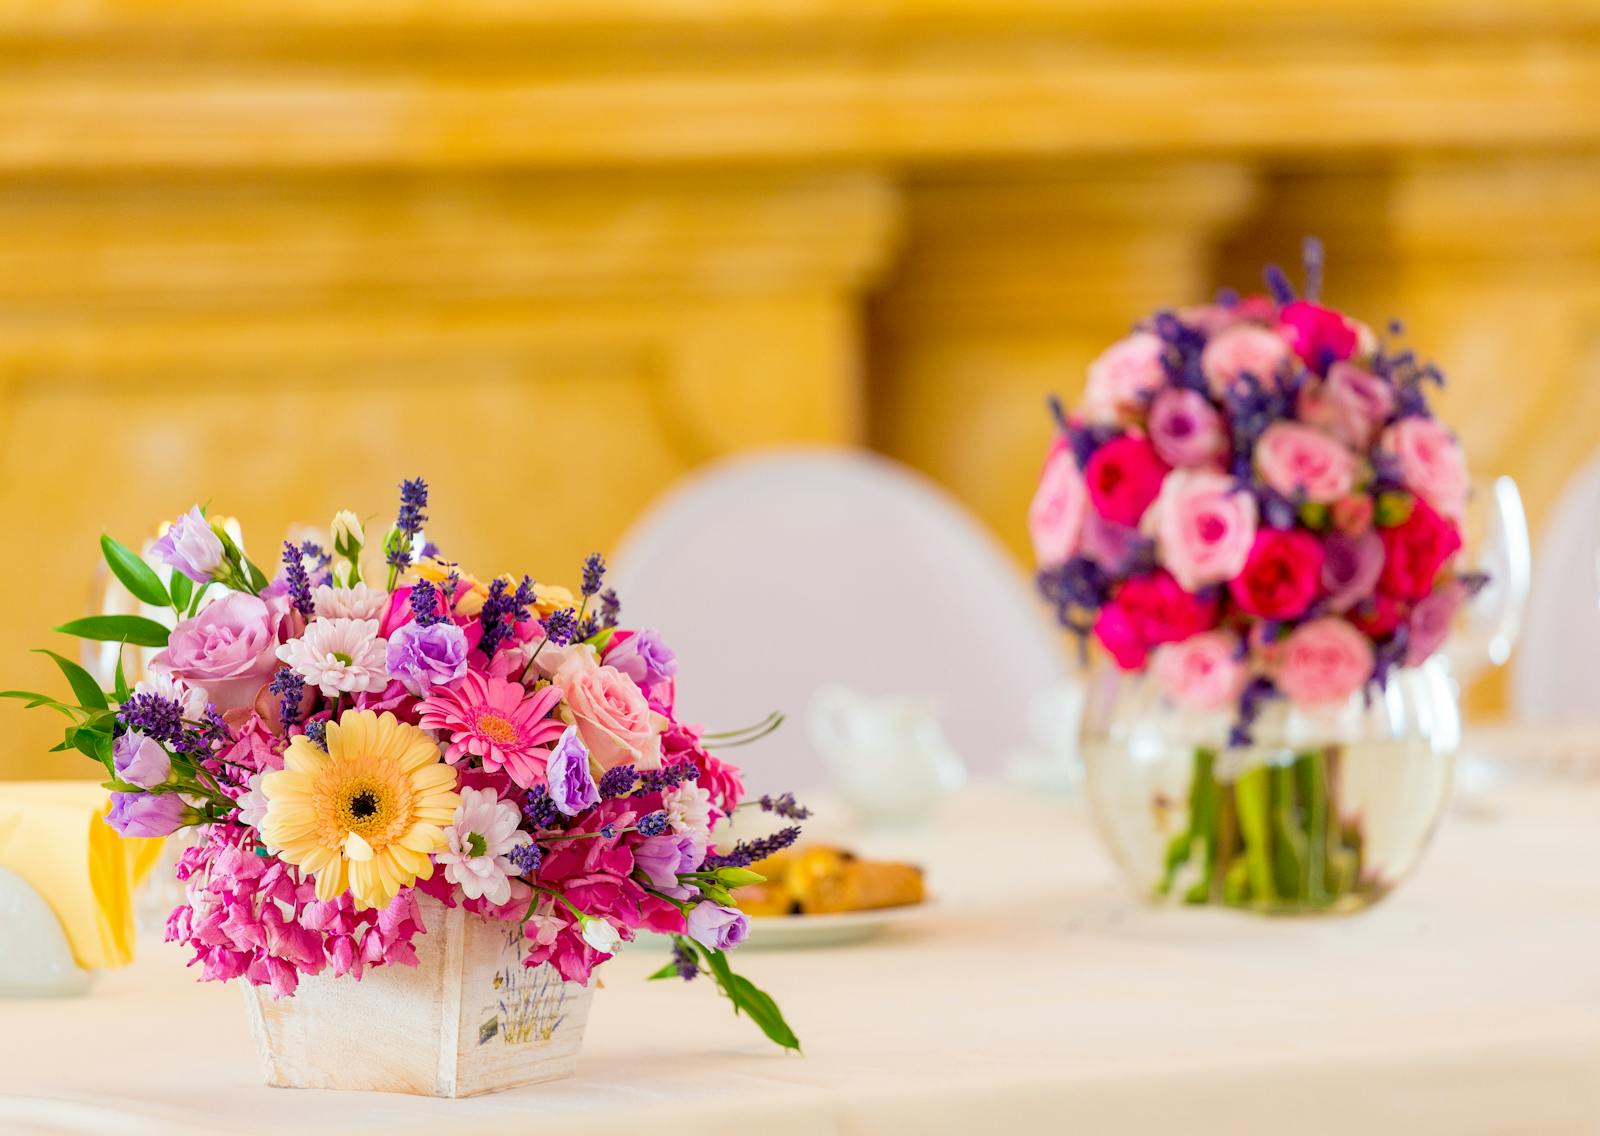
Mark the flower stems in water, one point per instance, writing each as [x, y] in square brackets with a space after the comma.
[1271, 839]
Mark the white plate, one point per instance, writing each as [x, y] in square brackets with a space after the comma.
[798, 932]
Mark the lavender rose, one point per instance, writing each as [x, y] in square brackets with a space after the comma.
[661, 858]
[189, 546]
[1431, 621]
[149, 814]
[572, 786]
[139, 760]
[425, 657]
[644, 658]
[1186, 429]
[230, 648]
[716, 927]
[1350, 568]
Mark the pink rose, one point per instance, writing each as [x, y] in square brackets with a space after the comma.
[1124, 377]
[230, 647]
[1319, 335]
[1295, 459]
[1123, 478]
[1350, 404]
[1055, 519]
[1431, 463]
[1214, 318]
[1204, 525]
[612, 715]
[1244, 349]
[1323, 663]
[1186, 429]
[1204, 672]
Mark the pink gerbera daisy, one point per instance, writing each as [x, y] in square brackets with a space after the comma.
[497, 721]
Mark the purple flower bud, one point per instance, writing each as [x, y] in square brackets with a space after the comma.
[139, 760]
[425, 656]
[189, 546]
[716, 927]
[661, 858]
[644, 658]
[572, 786]
[148, 814]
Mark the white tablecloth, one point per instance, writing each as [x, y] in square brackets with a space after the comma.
[1037, 995]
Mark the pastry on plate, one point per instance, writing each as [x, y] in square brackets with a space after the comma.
[821, 879]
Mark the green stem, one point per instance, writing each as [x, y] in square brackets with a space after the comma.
[1313, 777]
[1253, 796]
[1288, 840]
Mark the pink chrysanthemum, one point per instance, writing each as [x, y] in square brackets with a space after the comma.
[497, 721]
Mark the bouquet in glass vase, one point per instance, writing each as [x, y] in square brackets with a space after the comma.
[1255, 515]
[427, 806]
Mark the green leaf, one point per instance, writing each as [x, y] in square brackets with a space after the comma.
[258, 580]
[748, 997]
[84, 687]
[668, 971]
[34, 700]
[96, 746]
[600, 639]
[119, 682]
[135, 629]
[137, 576]
[182, 590]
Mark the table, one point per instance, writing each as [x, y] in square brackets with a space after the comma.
[1037, 995]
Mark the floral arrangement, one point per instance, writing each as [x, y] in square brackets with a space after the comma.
[1255, 501]
[343, 748]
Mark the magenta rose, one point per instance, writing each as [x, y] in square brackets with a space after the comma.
[1415, 551]
[1281, 576]
[1245, 349]
[1147, 611]
[1323, 663]
[229, 648]
[1431, 463]
[1319, 335]
[1055, 519]
[1124, 377]
[1376, 616]
[1186, 429]
[1351, 403]
[1204, 524]
[1204, 672]
[1295, 460]
[1123, 477]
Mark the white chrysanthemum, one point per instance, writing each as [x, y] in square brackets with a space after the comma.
[482, 836]
[688, 810]
[165, 684]
[339, 656]
[359, 602]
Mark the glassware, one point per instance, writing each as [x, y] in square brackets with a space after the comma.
[1496, 544]
[1324, 812]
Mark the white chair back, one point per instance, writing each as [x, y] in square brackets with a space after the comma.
[775, 574]
[1556, 673]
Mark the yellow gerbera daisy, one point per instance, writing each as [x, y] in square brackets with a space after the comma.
[363, 816]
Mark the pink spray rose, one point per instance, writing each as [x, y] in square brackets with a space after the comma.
[1351, 403]
[1123, 378]
[230, 647]
[1244, 350]
[1295, 459]
[1123, 478]
[1186, 429]
[1431, 621]
[1204, 672]
[1205, 525]
[612, 715]
[1319, 335]
[1323, 663]
[1431, 463]
[1055, 519]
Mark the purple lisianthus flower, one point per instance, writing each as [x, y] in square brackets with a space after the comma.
[644, 658]
[1431, 620]
[148, 814]
[716, 927]
[423, 656]
[140, 760]
[1351, 566]
[662, 857]
[189, 546]
[572, 786]
[1186, 429]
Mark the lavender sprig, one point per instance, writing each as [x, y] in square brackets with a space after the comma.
[618, 781]
[688, 966]
[527, 858]
[299, 583]
[408, 523]
[540, 810]
[290, 688]
[154, 716]
[610, 608]
[785, 806]
[425, 604]
[317, 731]
[747, 852]
[561, 627]
[594, 573]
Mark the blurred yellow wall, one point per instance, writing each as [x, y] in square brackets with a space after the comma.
[277, 256]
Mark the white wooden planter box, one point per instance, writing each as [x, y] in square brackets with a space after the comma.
[470, 1018]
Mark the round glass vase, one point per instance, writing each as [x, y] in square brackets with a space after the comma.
[1323, 812]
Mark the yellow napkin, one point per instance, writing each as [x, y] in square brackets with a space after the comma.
[52, 836]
